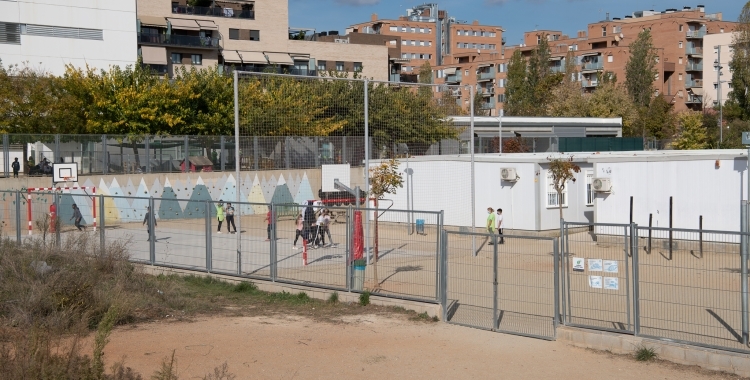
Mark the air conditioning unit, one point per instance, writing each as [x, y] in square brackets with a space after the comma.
[508, 174]
[602, 185]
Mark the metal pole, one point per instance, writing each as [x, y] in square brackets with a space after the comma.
[6, 155]
[237, 167]
[367, 165]
[556, 274]
[209, 243]
[152, 233]
[349, 234]
[670, 228]
[147, 147]
[627, 274]
[718, 89]
[102, 236]
[18, 216]
[650, 223]
[408, 195]
[274, 255]
[57, 150]
[57, 218]
[437, 256]
[186, 167]
[636, 284]
[743, 270]
[256, 152]
[500, 131]
[495, 322]
[473, 185]
[222, 153]
[700, 235]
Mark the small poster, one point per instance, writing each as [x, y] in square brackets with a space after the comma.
[595, 265]
[610, 266]
[595, 282]
[578, 264]
[611, 283]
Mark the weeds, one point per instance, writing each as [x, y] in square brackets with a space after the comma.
[167, 370]
[645, 354]
[364, 298]
[333, 298]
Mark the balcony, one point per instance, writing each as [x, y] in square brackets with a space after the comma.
[485, 76]
[453, 78]
[694, 51]
[213, 12]
[305, 72]
[456, 93]
[489, 91]
[589, 83]
[696, 33]
[557, 69]
[593, 66]
[694, 66]
[178, 40]
[488, 105]
[690, 83]
[694, 99]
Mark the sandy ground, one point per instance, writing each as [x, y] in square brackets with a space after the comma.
[368, 347]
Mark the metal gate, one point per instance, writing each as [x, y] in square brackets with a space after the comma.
[505, 284]
[597, 278]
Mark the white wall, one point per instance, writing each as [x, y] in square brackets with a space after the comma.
[709, 73]
[698, 187]
[576, 210]
[117, 19]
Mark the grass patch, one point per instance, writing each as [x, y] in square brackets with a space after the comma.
[333, 298]
[364, 298]
[645, 354]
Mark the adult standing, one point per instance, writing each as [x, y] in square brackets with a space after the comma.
[220, 215]
[490, 222]
[149, 217]
[78, 218]
[230, 218]
[16, 167]
[499, 219]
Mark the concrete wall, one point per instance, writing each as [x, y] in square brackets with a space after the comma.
[117, 19]
[710, 55]
[698, 187]
[576, 209]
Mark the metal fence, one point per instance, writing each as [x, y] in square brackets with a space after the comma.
[501, 283]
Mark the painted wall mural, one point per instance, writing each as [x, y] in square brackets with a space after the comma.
[178, 197]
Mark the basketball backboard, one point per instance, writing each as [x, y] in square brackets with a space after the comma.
[65, 172]
[332, 172]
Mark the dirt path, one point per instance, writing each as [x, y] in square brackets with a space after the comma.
[367, 347]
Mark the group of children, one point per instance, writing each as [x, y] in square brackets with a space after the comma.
[312, 229]
[495, 222]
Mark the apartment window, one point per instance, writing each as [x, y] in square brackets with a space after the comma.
[421, 30]
[458, 32]
[604, 31]
[322, 66]
[196, 59]
[394, 29]
[358, 66]
[10, 33]
[429, 30]
[429, 43]
[721, 30]
[392, 42]
[413, 30]
[716, 86]
[404, 42]
[589, 187]
[680, 27]
[484, 34]
[680, 45]
[501, 83]
[466, 32]
[679, 76]
[493, 46]
[176, 58]
[234, 34]
[553, 198]
[339, 66]
[404, 56]
[458, 45]
[493, 34]
[413, 43]
[610, 58]
[475, 33]
[538, 40]
[403, 29]
[466, 73]
[254, 35]
[413, 55]
[679, 60]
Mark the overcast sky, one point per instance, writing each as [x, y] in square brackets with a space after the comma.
[515, 16]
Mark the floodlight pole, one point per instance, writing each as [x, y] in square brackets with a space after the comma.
[238, 182]
[367, 166]
[473, 185]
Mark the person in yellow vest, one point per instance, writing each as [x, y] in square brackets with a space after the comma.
[219, 214]
[491, 222]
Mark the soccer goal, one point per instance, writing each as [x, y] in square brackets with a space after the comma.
[83, 197]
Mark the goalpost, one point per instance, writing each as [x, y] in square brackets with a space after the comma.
[54, 212]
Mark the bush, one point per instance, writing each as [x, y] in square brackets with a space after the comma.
[645, 354]
[333, 298]
[364, 298]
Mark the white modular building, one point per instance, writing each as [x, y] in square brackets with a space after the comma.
[48, 35]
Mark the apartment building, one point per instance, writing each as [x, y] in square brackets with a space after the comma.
[243, 34]
[717, 54]
[392, 42]
[604, 46]
[49, 35]
[429, 34]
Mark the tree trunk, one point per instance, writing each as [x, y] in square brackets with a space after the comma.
[136, 156]
[559, 203]
[375, 250]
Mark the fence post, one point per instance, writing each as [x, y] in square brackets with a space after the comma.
[287, 153]
[650, 223]
[344, 157]
[566, 281]
[349, 261]
[222, 153]
[186, 166]
[6, 155]
[437, 255]
[495, 322]
[316, 139]
[670, 228]
[700, 235]
[627, 273]
[57, 150]
[18, 217]
[743, 269]
[255, 152]
[208, 237]
[105, 153]
[102, 237]
[444, 282]
[556, 275]
[274, 261]
[147, 147]
[636, 283]
[152, 233]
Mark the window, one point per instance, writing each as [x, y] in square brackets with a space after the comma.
[493, 34]
[679, 60]
[604, 31]
[475, 33]
[429, 43]
[538, 40]
[339, 66]
[680, 45]
[322, 66]
[589, 187]
[458, 32]
[610, 58]
[392, 42]
[358, 66]
[403, 29]
[254, 35]
[176, 58]
[493, 46]
[197, 59]
[413, 29]
[404, 56]
[501, 83]
[680, 27]
[553, 198]
[421, 30]
[679, 76]
[394, 29]
[429, 30]
[413, 55]
[10, 33]
[716, 86]
[404, 42]
[721, 30]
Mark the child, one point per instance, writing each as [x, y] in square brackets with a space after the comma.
[325, 227]
[78, 217]
[146, 220]
[300, 224]
[319, 237]
[500, 225]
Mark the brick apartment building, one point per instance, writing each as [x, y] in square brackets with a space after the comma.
[604, 46]
[247, 35]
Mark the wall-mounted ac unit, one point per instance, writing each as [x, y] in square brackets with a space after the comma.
[602, 185]
[508, 174]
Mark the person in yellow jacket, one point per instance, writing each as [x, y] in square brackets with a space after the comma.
[220, 214]
[491, 222]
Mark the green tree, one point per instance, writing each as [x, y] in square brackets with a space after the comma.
[657, 120]
[517, 91]
[562, 171]
[640, 70]
[384, 179]
[692, 133]
[611, 100]
[425, 73]
[739, 65]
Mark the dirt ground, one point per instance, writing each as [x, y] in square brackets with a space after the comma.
[367, 347]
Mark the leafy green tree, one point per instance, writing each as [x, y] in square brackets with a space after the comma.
[563, 171]
[657, 120]
[692, 133]
[740, 66]
[517, 91]
[611, 100]
[425, 73]
[384, 179]
[640, 70]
